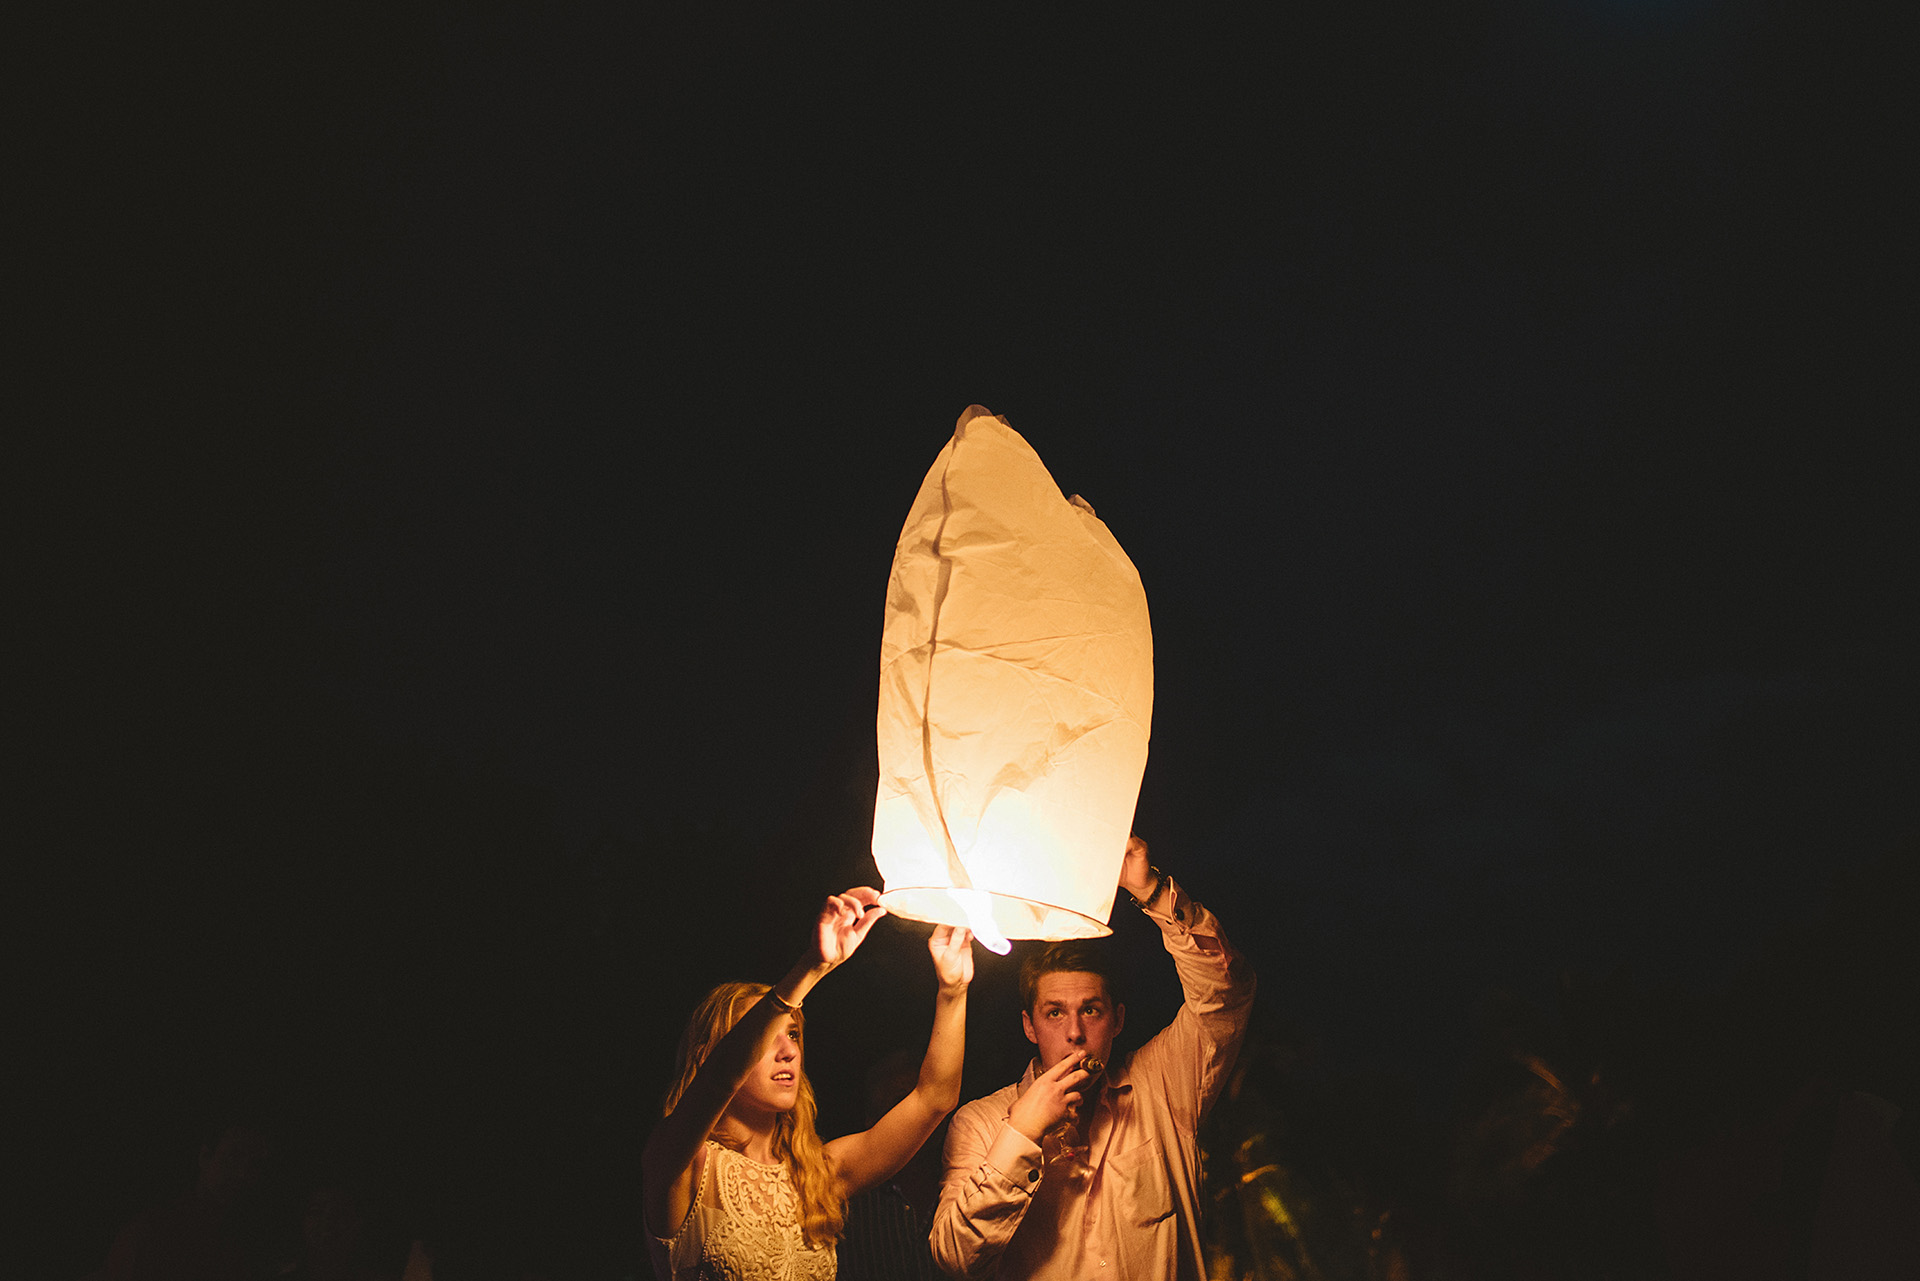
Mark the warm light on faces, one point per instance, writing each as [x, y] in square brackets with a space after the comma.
[1072, 1015]
[774, 1083]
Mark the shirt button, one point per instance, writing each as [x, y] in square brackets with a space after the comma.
[1033, 1176]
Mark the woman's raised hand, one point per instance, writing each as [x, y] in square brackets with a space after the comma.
[952, 948]
[844, 922]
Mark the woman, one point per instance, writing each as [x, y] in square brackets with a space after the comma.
[738, 1186]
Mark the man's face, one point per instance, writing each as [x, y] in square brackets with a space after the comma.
[1072, 1015]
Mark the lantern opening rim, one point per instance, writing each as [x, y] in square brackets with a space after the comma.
[891, 900]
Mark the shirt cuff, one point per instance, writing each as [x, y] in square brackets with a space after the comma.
[1017, 1157]
[1172, 907]
[1184, 921]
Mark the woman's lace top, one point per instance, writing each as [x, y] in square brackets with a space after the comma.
[744, 1226]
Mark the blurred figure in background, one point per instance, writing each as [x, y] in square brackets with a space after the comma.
[202, 1236]
[341, 1237]
[887, 1225]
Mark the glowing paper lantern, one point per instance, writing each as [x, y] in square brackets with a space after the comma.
[1016, 694]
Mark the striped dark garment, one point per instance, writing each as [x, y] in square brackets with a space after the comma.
[885, 1240]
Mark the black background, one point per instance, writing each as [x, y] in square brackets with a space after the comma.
[462, 453]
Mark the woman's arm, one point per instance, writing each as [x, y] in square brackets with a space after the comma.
[864, 1159]
[667, 1164]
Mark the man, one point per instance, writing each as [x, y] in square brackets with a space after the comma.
[1089, 1168]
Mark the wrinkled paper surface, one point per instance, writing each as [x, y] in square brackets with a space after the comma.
[1016, 695]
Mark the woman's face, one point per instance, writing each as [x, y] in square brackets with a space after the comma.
[774, 1083]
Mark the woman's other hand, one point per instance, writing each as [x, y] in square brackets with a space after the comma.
[843, 924]
[952, 949]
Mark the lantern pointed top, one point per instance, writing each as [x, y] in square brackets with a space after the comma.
[972, 412]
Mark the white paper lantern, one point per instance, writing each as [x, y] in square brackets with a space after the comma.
[1016, 695]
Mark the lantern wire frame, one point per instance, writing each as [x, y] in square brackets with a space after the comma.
[993, 918]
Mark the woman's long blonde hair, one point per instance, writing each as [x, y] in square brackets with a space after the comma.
[823, 1211]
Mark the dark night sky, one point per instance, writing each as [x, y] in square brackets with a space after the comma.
[470, 448]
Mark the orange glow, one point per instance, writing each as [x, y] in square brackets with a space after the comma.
[1016, 696]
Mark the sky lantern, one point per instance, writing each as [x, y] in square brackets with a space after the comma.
[1016, 695]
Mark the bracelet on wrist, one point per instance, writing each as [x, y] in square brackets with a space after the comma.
[791, 1007]
[1159, 884]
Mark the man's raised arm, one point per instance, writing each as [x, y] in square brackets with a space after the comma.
[1194, 1053]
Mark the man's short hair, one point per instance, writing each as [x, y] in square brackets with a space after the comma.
[1076, 956]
